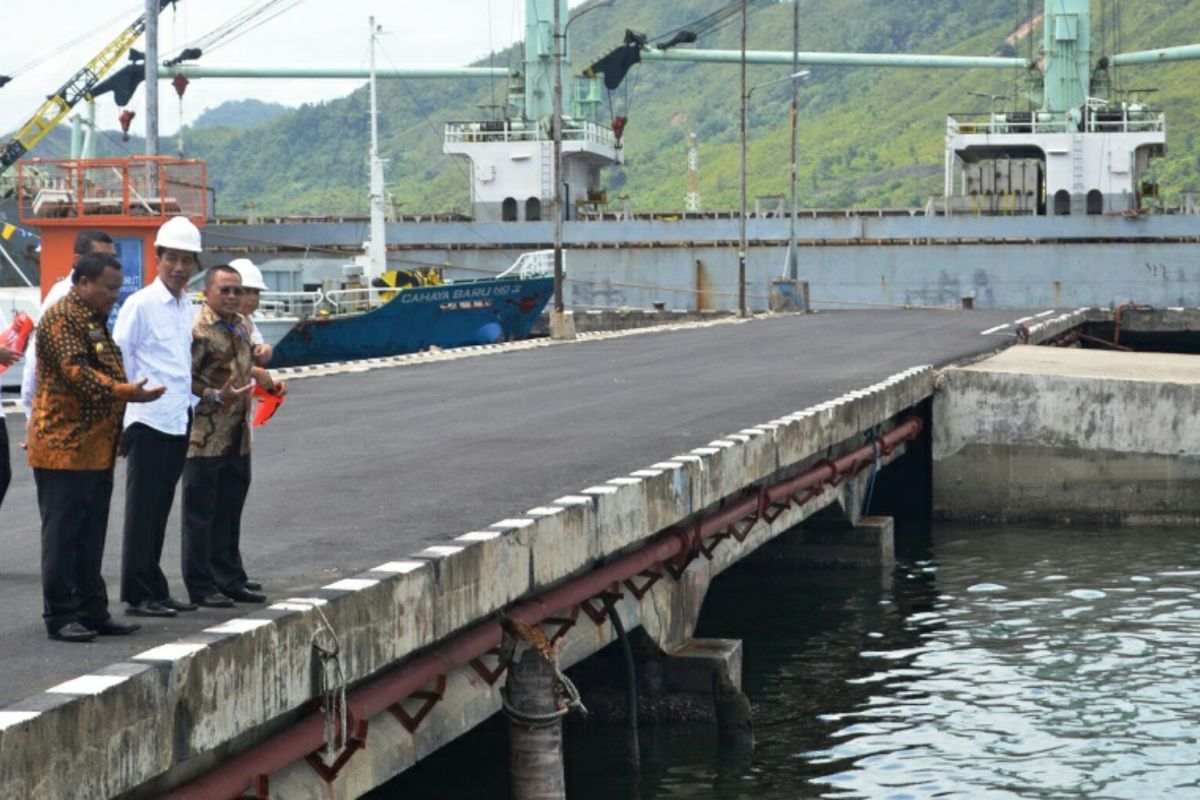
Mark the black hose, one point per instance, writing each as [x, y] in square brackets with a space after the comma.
[635, 757]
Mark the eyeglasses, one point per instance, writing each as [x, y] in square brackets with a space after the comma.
[236, 290]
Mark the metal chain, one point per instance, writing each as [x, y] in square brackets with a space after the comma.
[331, 687]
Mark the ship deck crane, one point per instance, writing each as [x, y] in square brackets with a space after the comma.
[79, 86]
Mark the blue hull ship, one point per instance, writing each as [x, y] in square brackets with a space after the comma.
[411, 320]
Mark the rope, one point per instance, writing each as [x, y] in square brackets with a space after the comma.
[873, 439]
[532, 719]
[331, 687]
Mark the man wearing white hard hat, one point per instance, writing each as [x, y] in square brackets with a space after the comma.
[154, 332]
[253, 283]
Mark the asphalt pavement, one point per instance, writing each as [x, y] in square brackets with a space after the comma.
[364, 468]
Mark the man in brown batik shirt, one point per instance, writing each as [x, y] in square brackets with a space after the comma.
[216, 475]
[77, 412]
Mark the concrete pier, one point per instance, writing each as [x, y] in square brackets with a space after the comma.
[1067, 434]
[362, 489]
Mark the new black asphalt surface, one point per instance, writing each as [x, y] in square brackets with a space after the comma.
[364, 468]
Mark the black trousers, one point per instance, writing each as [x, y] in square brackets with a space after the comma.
[214, 493]
[154, 462]
[5, 466]
[74, 507]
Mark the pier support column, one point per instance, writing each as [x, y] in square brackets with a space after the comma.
[535, 746]
[713, 668]
[562, 325]
[869, 543]
[698, 682]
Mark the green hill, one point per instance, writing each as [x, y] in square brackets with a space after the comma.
[869, 137]
[239, 114]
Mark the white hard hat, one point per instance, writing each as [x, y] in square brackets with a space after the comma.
[178, 233]
[251, 275]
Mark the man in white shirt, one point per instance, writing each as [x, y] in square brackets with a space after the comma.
[89, 241]
[7, 358]
[154, 332]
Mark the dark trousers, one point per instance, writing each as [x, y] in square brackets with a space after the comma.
[74, 506]
[5, 467]
[214, 493]
[154, 462]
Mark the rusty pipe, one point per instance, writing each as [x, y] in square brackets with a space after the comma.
[826, 471]
[232, 778]
[1116, 340]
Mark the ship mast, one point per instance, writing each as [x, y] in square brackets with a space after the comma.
[377, 246]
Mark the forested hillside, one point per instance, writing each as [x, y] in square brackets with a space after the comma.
[869, 137]
[240, 114]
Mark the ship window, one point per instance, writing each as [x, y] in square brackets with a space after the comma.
[1062, 203]
[508, 210]
[533, 209]
[1095, 202]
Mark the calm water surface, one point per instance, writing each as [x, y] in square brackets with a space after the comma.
[989, 664]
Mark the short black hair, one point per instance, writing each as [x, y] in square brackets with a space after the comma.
[214, 269]
[85, 240]
[92, 265]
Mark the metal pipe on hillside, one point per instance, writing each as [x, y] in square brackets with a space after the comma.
[833, 59]
[1185, 53]
[231, 779]
[334, 73]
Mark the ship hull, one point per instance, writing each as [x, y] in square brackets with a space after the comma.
[849, 261]
[454, 315]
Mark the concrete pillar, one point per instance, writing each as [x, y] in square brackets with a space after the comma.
[712, 668]
[698, 682]
[869, 543]
[562, 325]
[691, 667]
[709, 672]
[535, 749]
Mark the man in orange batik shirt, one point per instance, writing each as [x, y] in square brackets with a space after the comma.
[78, 409]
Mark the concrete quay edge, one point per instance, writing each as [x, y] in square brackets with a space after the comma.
[170, 708]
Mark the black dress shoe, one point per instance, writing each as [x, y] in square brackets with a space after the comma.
[111, 627]
[150, 609]
[177, 605]
[253, 586]
[216, 600]
[73, 632]
[246, 596]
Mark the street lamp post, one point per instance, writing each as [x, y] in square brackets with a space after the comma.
[793, 271]
[795, 77]
[559, 328]
[151, 77]
[742, 179]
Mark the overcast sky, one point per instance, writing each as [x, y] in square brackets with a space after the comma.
[317, 32]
